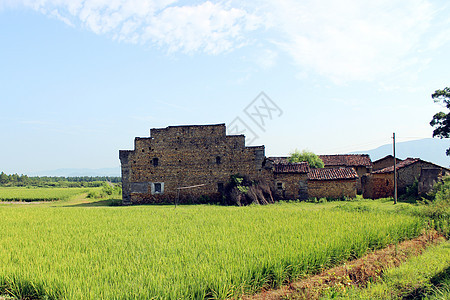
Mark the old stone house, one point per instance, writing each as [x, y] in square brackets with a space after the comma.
[183, 163]
[380, 183]
[360, 162]
[332, 183]
[291, 179]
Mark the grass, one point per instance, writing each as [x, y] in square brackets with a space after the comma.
[423, 277]
[191, 252]
[40, 194]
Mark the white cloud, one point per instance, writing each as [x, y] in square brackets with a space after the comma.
[352, 39]
[208, 27]
[344, 41]
[266, 59]
[205, 26]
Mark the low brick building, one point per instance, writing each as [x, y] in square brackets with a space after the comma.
[201, 157]
[291, 180]
[332, 183]
[360, 162]
[380, 183]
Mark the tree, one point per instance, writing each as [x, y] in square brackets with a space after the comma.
[441, 120]
[312, 159]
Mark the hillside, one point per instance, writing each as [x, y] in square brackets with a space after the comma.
[430, 149]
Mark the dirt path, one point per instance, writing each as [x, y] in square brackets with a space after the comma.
[357, 272]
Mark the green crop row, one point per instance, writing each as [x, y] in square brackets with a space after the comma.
[39, 194]
[426, 276]
[188, 252]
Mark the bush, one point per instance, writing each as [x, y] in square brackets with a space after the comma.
[437, 208]
[106, 191]
[312, 159]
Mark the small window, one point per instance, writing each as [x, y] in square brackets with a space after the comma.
[157, 188]
[155, 161]
[220, 187]
[218, 160]
[387, 182]
[279, 185]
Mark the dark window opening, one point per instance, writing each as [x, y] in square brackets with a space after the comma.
[279, 185]
[143, 150]
[387, 182]
[155, 161]
[220, 188]
[218, 160]
[157, 187]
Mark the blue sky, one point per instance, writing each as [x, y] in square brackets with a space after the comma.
[80, 79]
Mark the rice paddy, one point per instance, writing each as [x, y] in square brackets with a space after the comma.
[188, 252]
[39, 194]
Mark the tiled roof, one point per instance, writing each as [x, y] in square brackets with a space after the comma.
[347, 160]
[401, 164]
[301, 167]
[332, 174]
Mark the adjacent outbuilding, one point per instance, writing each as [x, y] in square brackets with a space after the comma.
[332, 183]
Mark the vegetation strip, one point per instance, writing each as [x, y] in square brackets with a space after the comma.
[39, 194]
[191, 252]
[354, 273]
[426, 276]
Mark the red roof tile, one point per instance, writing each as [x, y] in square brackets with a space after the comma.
[347, 160]
[332, 174]
[301, 167]
[401, 164]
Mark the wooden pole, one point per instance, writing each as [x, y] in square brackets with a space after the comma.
[395, 170]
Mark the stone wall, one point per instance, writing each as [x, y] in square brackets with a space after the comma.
[428, 178]
[381, 185]
[332, 188]
[385, 162]
[361, 171]
[181, 156]
[377, 186]
[291, 186]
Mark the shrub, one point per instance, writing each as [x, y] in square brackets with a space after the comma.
[312, 159]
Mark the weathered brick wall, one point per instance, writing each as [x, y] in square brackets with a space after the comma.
[291, 185]
[180, 156]
[361, 171]
[428, 178]
[332, 188]
[382, 185]
[378, 186]
[384, 163]
[408, 174]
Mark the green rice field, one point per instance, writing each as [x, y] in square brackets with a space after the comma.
[188, 252]
[39, 194]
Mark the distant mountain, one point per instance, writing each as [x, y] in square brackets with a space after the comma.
[432, 150]
[112, 172]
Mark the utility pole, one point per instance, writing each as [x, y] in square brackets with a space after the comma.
[395, 170]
